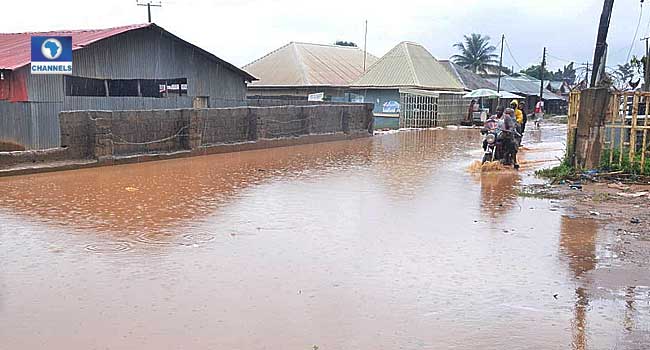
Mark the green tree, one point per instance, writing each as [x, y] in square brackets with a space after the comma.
[345, 43]
[533, 71]
[476, 53]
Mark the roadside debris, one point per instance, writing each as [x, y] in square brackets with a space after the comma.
[632, 195]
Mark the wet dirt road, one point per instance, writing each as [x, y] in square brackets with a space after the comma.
[380, 243]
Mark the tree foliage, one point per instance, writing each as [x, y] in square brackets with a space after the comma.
[567, 73]
[476, 53]
[345, 43]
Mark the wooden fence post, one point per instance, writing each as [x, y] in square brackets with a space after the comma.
[594, 103]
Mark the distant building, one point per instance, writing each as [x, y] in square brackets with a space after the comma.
[528, 87]
[132, 67]
[561, 87]
[410, 88]
[469, 80]
[297, 70]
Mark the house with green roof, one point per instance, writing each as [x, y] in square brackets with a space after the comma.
[410, 88]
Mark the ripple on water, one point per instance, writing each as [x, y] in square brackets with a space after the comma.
[109, 247]
[164, 239]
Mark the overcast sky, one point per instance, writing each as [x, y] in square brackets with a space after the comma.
[241, 31]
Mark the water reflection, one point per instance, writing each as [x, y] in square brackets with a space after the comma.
[578, 245]
[498, 192]
[151, 199]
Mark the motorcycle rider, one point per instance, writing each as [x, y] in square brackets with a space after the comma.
[510, 136]
[519, 116]
[492, 123]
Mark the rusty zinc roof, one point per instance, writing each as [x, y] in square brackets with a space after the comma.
[469, 79]
[408, 65]
[15, 48]
[304, 64]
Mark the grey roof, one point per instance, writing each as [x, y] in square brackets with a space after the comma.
[524, 86]
[469, 79]
[408, 65]
[304, 64]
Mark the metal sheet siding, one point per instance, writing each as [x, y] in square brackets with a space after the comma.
[147, 53]
[32, 125]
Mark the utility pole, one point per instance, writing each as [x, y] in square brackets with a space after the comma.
[149, 4]
[601, 41]
[587, 74]
[541, 75]
[365, 47]
[646, 71]
[503, 38]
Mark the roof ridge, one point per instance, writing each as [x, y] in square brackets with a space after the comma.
[135, 25]
[329, 45]
[269, 54]
[410, 61]
[301, 65]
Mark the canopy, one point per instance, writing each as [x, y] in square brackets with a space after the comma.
[488, 93]
[506, 94]
[478, 93]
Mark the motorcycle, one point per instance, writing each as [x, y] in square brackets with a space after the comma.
[499, 147]
[493, 148]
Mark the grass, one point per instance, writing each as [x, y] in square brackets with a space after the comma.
[564, 171]
[625, 165]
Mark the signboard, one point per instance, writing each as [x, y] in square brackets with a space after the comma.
[319, 96]
[391, 107]
[51, 55]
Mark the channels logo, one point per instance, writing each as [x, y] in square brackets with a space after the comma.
[51, 55]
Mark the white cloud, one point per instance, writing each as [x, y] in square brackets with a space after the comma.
[240, 31]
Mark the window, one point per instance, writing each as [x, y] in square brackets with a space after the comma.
[159, 88]
[79, 86]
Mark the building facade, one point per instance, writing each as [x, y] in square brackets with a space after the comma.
[124, 68]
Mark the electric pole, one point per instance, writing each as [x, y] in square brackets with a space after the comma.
[541, 75]
[646, 71]
[503, 38]
[149, 4]
[587, 75]
[365, 46]
[601, 42]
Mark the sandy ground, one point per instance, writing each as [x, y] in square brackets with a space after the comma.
[621, 208]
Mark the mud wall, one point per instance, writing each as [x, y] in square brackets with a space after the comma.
[109, 134]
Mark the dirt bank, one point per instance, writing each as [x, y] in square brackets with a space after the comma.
[621, 208]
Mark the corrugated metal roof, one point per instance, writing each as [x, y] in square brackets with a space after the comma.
[409, 65]
[15, 48]
[469, 79]
[304, 64]
[524, 86]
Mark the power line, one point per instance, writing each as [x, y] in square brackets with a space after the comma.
[636, 33]
[512, 56]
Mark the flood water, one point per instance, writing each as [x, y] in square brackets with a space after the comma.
[379, 243]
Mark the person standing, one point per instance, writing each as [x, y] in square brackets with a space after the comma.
[539, 112]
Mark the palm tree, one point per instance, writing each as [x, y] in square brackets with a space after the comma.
[476, 53]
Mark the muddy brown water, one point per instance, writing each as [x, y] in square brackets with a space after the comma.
[380, 243]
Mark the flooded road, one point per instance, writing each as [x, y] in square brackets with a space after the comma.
[379, 243]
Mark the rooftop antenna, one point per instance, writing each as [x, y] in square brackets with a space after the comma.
[149, 4]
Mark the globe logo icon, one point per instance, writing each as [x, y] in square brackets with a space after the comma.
[51, 49]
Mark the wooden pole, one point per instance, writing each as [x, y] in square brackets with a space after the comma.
[365, 46]
[541, 76]
[646, 71]
[601, 41]
[503, 38]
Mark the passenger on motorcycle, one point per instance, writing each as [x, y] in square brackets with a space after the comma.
[510, 136]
